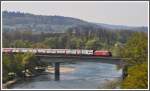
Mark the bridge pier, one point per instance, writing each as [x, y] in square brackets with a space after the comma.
[57, 71]
[125, 72]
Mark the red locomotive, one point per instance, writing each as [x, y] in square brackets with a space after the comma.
[102, 53]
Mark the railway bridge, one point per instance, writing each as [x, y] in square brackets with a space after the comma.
[57, 59]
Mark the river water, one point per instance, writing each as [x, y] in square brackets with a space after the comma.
[86, 75]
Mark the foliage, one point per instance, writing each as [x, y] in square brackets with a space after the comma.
[19, 63]
[93, 44]
[89, 39]
[21, 44]
[136, 50]
[117, 49]
[137, 77]
[6, 67]
[39, 45]
[51, 42]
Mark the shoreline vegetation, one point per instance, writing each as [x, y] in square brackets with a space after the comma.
[49, 69]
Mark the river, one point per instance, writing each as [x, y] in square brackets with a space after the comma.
[86, 75]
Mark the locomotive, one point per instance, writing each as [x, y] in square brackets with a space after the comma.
[100, 53]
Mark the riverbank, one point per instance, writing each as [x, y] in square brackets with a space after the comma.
[48, 70]
[111, 84]
[9, 83]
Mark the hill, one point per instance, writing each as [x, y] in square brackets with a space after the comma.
[54, 24]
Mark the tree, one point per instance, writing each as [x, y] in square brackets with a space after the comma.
[39, 45]
[30, 62]
[136, 52]
[74, 43]
[79, 43]
[137, 77]
[62, 41]
[93, 44]
[21, 44]
[51, 42]
[136, 48]
[6, 67]
[116, 49]
[18, 63]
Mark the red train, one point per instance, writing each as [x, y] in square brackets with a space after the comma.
[59, 51]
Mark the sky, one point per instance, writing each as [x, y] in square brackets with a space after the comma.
[113, 12]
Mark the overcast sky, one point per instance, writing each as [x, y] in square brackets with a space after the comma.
[119, 13]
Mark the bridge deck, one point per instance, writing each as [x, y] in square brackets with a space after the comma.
[71, 58]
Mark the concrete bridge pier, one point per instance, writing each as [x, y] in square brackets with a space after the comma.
[124, 72]
[57, 71]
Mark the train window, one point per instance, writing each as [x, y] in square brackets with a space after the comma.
[61, 51]
[69, 51]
